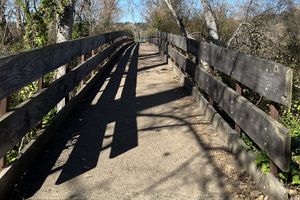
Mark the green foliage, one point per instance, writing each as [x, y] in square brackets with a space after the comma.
[47, 119]
[80, 29]
[291, 119]
[38, 22]
[23, 94]
[13, 154]
[262, 161]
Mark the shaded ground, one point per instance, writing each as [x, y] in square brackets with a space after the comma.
[137, 135]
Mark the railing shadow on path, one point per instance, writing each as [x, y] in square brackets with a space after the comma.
[86, 130]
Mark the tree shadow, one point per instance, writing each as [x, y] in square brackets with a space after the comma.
[152, 66]
[86, 151]
[85, 132]
[203, 182]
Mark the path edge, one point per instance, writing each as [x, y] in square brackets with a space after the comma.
[267, 183]
[11, 174]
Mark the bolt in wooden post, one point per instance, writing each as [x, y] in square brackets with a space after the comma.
[238, 89]
[3, 110]
[274, 107]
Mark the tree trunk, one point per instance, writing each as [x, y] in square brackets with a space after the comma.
[19, 24]
[210, 22]
[64, 32]
[2, 14]
[178, 19]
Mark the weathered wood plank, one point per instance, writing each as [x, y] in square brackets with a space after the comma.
[178, 41]
[154, 41]
[267, 133]
[185, 63]
[3, 106]
[14, 125]
[177, 57]
[36, 147]
[272, 80]
[18, 70]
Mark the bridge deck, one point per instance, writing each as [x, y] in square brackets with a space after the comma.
[138, 135]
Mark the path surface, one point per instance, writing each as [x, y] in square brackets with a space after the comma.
[138, 136]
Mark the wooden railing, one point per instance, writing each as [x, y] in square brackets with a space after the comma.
[271, 80]
[19, 70]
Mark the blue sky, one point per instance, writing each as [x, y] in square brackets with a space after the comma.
[128, 14]
[132, 13]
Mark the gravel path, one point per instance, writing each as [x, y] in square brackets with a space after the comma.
[138, 136]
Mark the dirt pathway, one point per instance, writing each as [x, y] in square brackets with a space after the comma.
[138, 136]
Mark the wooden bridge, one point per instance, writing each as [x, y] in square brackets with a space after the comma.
[147, 121]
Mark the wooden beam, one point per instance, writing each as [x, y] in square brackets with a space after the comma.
[17, 123]
[267, 133]
[16, 71]
[270, 79]
[274, 113]
[178, 58]
[36, 147]
[3, 110]
[239, 90]
[3, 106]
[178, 41]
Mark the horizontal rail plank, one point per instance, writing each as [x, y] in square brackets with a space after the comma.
[185, 63]
[14, 125]
[178, 41]
[267, 133]
[154, 41]
[16, 71]
[270, 79]
[177, 57]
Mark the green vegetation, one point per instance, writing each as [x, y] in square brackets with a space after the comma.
[266, 31]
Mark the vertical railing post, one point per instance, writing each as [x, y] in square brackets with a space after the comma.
[82, 58]
[274, 113]
[3, 110]
[160, 45]
[212, 72]
[93, 54]
[40, 85]
[239, 90]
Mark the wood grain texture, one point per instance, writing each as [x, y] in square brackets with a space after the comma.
[16, 71]
[14, 125]
[36, 147]
[179, 59]
[178, 41]
[270, 79]
[183, 62]
[267, 133]
[154, 41]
